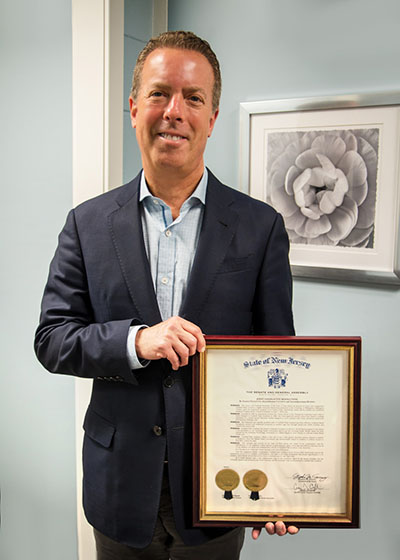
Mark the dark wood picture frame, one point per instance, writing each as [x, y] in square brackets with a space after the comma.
[205, 513]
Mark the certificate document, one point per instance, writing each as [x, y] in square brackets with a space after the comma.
[277, 431]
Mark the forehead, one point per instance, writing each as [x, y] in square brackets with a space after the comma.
[178, 66]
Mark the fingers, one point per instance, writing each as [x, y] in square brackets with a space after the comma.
[196, 332]
[177, 353]
[175, 339]
[279, 528]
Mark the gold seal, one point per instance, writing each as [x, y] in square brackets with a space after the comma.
[227, 479]
[255, 480]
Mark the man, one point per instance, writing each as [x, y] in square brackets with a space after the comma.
[140, 273]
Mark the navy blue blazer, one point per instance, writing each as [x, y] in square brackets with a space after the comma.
[99, 285]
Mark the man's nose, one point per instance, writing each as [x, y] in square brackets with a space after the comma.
[175, 108]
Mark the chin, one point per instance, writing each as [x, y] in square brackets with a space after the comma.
[172, 163]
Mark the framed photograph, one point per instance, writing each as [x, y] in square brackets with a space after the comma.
[276, 426]
[330, 166]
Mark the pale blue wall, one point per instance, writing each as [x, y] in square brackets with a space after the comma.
[294, 48]
[137, 31]
[37, 455]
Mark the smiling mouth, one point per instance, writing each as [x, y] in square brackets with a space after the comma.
[172, 137]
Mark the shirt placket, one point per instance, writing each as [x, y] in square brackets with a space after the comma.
[166, 265]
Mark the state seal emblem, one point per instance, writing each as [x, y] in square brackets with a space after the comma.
[277, 378]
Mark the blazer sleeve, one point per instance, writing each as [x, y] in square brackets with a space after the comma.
[272, 312]
[68, 340]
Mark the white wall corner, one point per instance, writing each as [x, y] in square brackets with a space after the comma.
[97, 98]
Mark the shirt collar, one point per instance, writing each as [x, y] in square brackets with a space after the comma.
[199, 192]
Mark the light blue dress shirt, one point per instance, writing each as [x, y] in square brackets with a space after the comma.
[170, 246]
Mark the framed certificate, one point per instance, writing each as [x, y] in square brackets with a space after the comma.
[276, 425]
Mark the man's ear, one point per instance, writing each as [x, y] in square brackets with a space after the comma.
[132, 111]
[212, 122]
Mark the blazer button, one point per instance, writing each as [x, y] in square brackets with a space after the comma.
[157, 430]
[168, 381]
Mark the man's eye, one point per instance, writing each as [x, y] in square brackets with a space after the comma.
[156, 94]
[195, 99]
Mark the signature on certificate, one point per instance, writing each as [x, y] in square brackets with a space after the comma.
[308, 483]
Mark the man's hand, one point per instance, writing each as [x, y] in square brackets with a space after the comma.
[278, 528]
[174, 339]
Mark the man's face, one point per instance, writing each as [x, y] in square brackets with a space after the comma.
[173, 113]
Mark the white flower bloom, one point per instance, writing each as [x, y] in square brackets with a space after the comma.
[324, 185]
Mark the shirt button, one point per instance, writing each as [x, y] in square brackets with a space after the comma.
[168, 233]
[164, 280]
[157, 430]
[168, 381]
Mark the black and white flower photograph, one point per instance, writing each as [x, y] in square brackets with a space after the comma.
[324, 183]
[330, 166]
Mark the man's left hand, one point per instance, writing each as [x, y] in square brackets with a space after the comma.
[278, 528]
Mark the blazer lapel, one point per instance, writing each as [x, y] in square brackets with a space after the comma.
[218, 229]
[127, 236]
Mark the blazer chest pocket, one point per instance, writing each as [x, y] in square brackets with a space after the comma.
[98, 428]
[235, 264]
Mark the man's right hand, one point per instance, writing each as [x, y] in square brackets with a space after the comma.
[175, 339]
